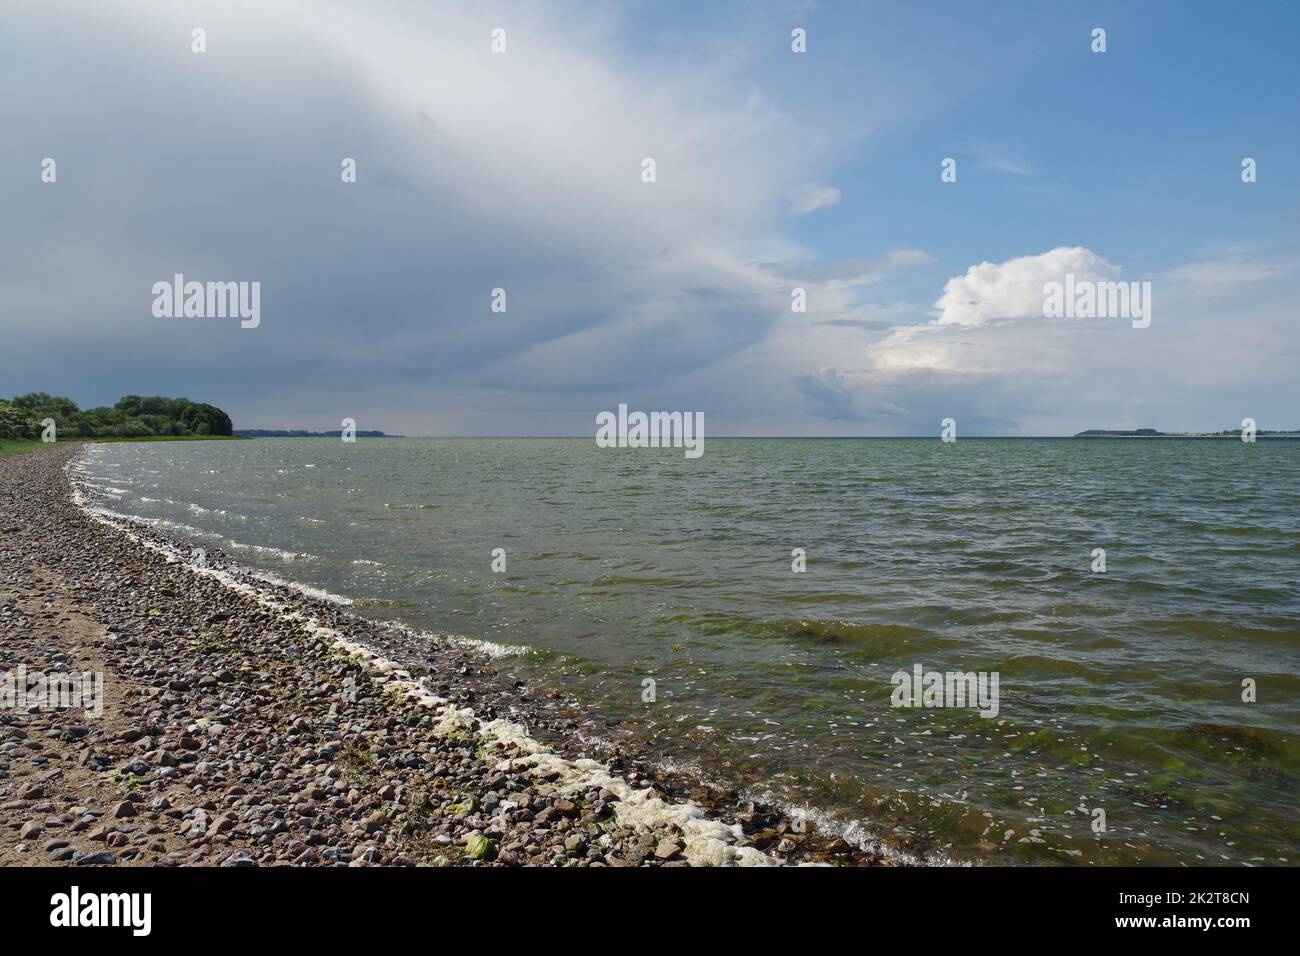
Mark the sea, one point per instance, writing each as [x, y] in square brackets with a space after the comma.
[758, 617]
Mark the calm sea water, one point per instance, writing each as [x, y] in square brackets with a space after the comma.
[1119, 691]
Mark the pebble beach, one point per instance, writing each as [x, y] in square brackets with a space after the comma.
[246, 724]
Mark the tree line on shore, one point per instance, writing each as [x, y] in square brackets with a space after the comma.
[133, 416]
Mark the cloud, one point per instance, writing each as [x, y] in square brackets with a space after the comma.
[476, 171]
[835, 286]
[832, 394]
[810, 197]
[863, 323]
[995, 157]
[1227, 273]
[992, 360]
[999, 164]
[522, 171]
[990, 291]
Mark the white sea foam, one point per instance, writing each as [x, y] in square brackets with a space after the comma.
[485, 648]
[280, 553]
[708, 842]
[150, 522]
[319, 594]
[106, 490]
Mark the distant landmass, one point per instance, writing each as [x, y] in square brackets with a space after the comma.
[1152, 433]
[300, 433]
[25, 417]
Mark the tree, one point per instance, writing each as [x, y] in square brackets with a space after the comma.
[14, 423]
[133, 416]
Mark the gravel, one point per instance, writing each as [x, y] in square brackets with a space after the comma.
[234, 733]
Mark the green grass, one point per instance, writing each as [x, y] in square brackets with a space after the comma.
[15, 446]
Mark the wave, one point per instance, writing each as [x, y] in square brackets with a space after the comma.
[318, 594]
[107, 490]
[176, 526]
[708, 841]
[280, 553]
[247, 578]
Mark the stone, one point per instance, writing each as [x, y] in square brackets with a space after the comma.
[30, 830]
[668, 849]
[478, 846]
[103, 858]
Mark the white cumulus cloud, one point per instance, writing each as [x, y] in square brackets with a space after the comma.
[1014, 289]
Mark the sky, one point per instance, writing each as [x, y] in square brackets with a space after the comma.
[774, 170]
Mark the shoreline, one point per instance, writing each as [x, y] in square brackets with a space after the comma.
[246, 723]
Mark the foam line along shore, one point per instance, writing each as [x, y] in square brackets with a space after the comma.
[244, 723]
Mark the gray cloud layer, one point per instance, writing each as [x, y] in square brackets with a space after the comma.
[476, 171]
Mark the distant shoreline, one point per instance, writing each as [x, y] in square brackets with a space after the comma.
[1091, 434]
[301, 433]
[1233, 435]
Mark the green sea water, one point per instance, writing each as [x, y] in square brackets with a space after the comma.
[1119, 691]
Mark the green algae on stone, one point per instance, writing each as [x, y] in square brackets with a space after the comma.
[478, 846]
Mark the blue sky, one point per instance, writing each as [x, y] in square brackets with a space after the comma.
[1133, 153]
[775, 170]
